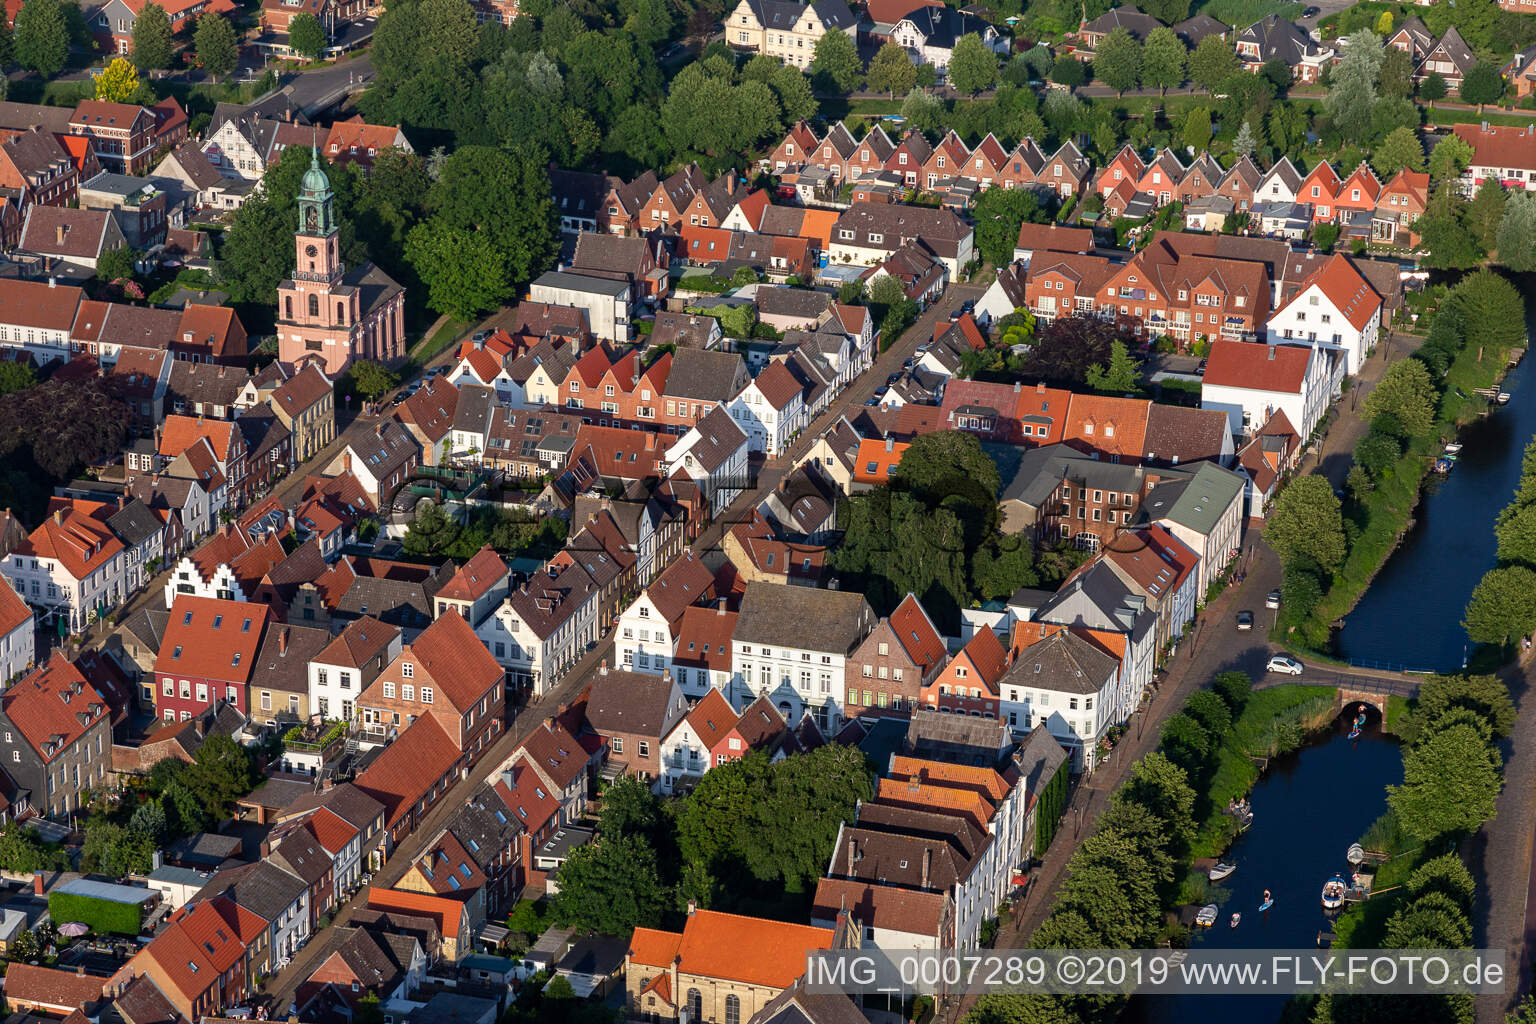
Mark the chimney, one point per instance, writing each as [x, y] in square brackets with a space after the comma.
[693, 906]
[37, 883]
[60, 230]
[602, 669]
[1271, 353]
[53, 282]
[155, 860]
[927, 860]
[80, 971]
[1040, 388]
[890, 444]
[346, 462]
[58, 516]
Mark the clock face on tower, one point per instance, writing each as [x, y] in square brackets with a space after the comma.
[310, 251]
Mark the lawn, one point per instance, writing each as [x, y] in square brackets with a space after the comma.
[1242, 13]
[429, 348]
[1273, 722]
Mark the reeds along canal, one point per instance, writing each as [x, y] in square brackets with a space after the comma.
[1308, 808]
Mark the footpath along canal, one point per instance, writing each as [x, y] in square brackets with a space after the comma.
[1308, 808]
[1410, 617]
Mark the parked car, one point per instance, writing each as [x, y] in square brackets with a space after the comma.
[1245, 620]
[1272, 599]
[1201, 368]
[892, 379]
[1281, 663]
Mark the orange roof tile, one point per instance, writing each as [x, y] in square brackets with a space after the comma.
[876, 460]
[653, 947]
[985, 781]
[711, 718]
[14, 612]
[1109, 424]
[179, 433]
[211, 638]
[47, 703]
[916, 633]
[448, 914]
[409, 767]
[476, 577]
[817, 226]
[712, 945]
[963, 803]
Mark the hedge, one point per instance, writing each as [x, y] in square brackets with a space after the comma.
[101, 915]
[1053, 800]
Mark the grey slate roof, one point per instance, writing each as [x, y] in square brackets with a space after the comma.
[1038, 758]
[941, 26]
[804, 618]
[781, 14]
[719, 438]
[705, 376]
[262, 888]
[1129, 18]
[473, 412]
[1098, 599]
[1063, 662]
[1278, 38]
[134, 523]
[793, 1006]
[791, 301]
[1192, 30]
[1196, 502]
[1040, 472]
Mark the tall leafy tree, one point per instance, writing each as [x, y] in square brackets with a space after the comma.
[1451, 780]
[1068, 71]
[1000, 212]
[1197, 129]
[1117, 61]
[306, 35]
[1482, 84]
[216, 45]
[1352, 86]
[1213, 62]
[1169, 12]
[1433, 88]
[464, 271]
[1396, 75]
[1399, 151]
[892, 71]
[505, 197]
[118, 81]
[972, 66]
[42, 37]
[1246, 141]
[1120, 376]
[1162, 60]
[836, 66]
[1503, 606]
[611, 886]
[1485, 211]
[153, 43]
[1307, 523]
[1517, 233]
[1406, 393]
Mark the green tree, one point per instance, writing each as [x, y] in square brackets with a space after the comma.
[42, 37]
[1210, 711]
[1396, 75]
[1120, 378]
[1377, 452]
[999, 213]
[946, 464]
[1482, 84]
[1399, 151]
[1068, 71]
[1485, 211]
[115, 264]
[1169, 12]
[153, 44]
[1503, 606]
[629, 809]
[118, 81]
[431, 533]
[972, 66]
[1000, 568]
[1446, 241]
[1492, 312]
[1447, 875]
[1213, 62]
[464, 272]
[306, 35]
[1246, 141]
[372, 378]
[1306, 522]
[611, 886]
[892, 71]
[15, 377]
[1162, 60]
[150, 819]
[1352, 86]
[1449, 158]
[1433, 88]
[1451, 780]
[1485, 696]
[923, 111]
[1162, 787]
[1407, 393]
[1186, 743]
[217, 49]
[835, 66]
[1197, 129]
[504, 196]
[1234, 688]
[1516, 238]
[1117, 61]
[1516, 530]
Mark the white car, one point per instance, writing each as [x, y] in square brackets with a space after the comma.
[1281, 663]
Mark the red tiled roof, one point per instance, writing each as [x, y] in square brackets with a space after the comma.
[50, 987]
[448, 654]
[74, 534]
[212, 639]
[475, 577]
[53, 706]
[711, 946]
[711, 718]
[181, 432]
[1257, 366]
[13, 610]
[916, 633]
[409, 767]
[777, 385]
[447, 914]
[704, 638]
[332, 831]
[526, 797]
[1091, 418]
[1500, 146]
[1338, 279]
[556, 751]
[884, 456]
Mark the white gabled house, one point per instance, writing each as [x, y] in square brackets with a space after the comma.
[713, 453]
[543, 627]
[1336, 309]
[1250, 381]
[770, 410]
[647, 633]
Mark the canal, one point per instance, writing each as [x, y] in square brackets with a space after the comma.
[1410, 617]
[1307, 809]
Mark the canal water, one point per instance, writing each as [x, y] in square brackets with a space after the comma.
[1410, 617]
[1307, 809]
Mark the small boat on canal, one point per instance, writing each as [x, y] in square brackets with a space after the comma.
[1443, 465]
[1220, 871]
[1453, 449]
[1236, 919]
[1207, 916]
[1333, 893]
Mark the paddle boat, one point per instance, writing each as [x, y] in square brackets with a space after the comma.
[1220, 871]
[1207, 916]
[1333, 893]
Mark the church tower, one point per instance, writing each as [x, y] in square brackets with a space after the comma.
[316, 255]
[328, 314]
